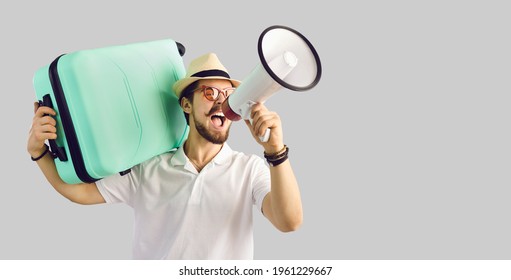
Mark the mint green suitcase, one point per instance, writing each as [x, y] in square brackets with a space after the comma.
[115, 107]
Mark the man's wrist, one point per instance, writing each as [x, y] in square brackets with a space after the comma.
[274, 150]
[37, 155]
[278, 157]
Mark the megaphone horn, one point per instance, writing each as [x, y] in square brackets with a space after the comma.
[288, 60]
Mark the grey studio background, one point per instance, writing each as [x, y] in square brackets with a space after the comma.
[402, 151]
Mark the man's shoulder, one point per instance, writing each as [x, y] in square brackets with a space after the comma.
[246, 157]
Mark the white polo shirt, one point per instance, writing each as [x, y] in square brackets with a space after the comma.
[183, 214]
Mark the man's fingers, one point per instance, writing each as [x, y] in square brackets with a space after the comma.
[47, 120]
[264, 121]
[261, 124]
[42, 136]
[36, 105]
[256, 109]
[49, 128]
[42, 110]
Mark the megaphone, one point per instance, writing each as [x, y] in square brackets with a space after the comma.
[288, 60]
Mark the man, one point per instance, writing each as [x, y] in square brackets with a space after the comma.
[195, 202]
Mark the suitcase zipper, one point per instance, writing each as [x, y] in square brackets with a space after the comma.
[67, 124]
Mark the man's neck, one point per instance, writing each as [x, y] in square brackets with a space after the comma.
[200, 151]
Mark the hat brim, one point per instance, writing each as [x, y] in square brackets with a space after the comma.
[180, 85]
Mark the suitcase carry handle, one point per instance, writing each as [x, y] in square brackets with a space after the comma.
[56, 151]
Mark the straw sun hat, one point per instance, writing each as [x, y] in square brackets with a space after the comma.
[207, 66]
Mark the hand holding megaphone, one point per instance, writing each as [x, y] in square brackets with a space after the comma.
[247, 110]
[288, 60]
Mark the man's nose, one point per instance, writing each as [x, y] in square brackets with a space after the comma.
[221, 98]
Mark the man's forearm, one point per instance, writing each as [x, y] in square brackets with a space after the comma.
[76, 193]
[286, 203]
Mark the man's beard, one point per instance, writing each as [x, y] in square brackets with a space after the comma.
[215, 138]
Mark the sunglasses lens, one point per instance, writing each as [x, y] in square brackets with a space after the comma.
[210, 93]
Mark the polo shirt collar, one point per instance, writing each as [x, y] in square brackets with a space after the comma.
[222, 157]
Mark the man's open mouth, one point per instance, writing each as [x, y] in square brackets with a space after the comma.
[218, 119]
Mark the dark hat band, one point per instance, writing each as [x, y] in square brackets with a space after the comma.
[211, 73]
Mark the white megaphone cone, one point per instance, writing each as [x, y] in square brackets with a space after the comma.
[288, 60]
[258, 87]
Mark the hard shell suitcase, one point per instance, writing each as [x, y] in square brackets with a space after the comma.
[115, 107]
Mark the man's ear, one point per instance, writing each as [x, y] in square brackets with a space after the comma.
[186, 105]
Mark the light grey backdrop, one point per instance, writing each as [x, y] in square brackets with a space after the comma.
[402, 151]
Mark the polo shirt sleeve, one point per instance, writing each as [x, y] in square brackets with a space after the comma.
[261, 182]
[120, 188]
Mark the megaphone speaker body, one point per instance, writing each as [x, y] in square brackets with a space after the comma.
[287, 59]
[256, 88]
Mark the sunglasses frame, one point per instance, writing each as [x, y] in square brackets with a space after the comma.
[216, 90]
